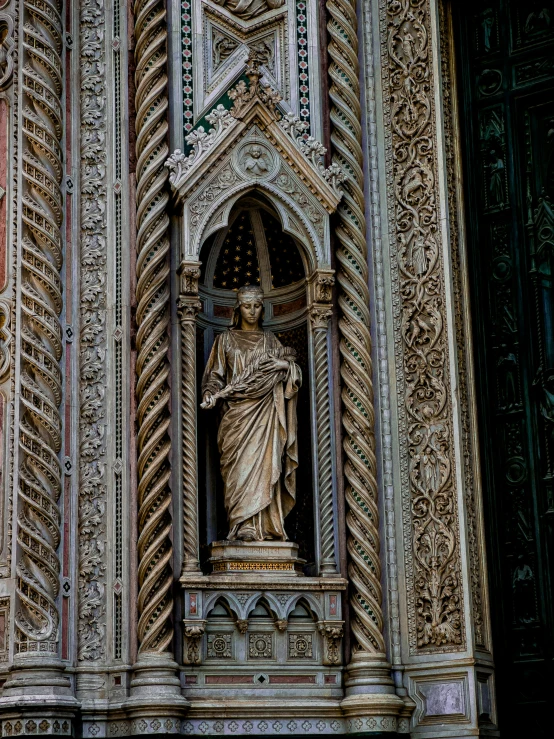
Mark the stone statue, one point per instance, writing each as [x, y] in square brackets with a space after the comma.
[258, 381]
[247, 9]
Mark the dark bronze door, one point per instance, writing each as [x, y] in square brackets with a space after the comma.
[506, 78]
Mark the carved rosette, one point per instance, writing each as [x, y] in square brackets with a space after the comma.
[431, 530]
[355, 345]
[188, 308]
[40, 440]
[155, 551]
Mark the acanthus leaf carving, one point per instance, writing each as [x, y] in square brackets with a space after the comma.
[431, 531]
[180, 164]
[91, 644]
[313, 150]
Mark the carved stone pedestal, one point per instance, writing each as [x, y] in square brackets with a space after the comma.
[156, 704]
[262, 649]
[37, 698]
[272, 558]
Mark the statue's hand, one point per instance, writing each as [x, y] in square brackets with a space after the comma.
[209, 401]
[272, 364]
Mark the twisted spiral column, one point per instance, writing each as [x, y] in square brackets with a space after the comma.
[320, 316]
[155, 602]
[38, 524]
[188, 310]
[356, 367]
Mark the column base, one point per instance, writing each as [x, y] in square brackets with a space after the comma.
[156, 705]
[38, 698]
[371, 704]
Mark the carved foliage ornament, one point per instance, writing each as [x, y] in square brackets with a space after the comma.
[93, 413]
[431, 522]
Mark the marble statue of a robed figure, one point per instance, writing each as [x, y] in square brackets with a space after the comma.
[257, 380]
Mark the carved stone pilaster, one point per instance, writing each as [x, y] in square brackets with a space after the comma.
[37, 688]
[320, 313]
[188, 307]
[155, 551]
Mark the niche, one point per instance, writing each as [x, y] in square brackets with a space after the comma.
[254, 249]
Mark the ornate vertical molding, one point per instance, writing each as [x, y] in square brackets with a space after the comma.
[369, 686]
[188, 308]
[37, 687]
[93, 353]
[38, 526]
[431, 527]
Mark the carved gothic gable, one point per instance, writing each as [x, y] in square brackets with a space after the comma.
[250, 149]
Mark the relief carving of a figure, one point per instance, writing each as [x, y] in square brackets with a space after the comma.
[257, 380]
[247, 9]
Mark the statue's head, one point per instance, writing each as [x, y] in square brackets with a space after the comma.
[249, 305]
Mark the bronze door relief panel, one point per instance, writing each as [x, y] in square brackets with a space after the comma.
[506, 53]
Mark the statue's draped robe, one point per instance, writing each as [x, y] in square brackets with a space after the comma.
[257, 430]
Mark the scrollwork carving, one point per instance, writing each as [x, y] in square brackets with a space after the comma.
[332, 633]
[180, 164]
[243, 94]
[313, 150]
[431, 523]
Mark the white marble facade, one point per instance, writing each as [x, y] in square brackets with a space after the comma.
[131, 135]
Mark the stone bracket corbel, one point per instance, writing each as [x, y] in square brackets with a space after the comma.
[332, 633]
[192, 640]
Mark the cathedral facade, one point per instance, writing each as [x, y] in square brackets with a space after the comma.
[276, 367]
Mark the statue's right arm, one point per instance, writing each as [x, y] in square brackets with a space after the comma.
[215, 372]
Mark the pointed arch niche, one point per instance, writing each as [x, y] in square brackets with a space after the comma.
[252, 182]
[253, 248]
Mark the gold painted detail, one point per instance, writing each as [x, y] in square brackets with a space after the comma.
[240, 566]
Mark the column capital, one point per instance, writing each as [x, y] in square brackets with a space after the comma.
[188, 307]
[320, 315]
